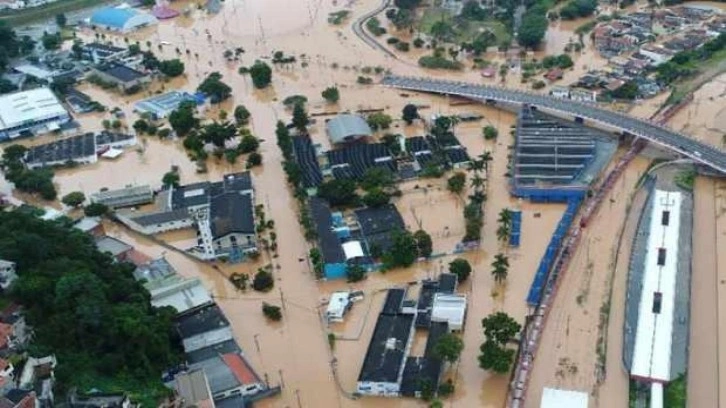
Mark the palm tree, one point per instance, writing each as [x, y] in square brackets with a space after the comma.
[475, 165]
[505, 224]
[500, 268]
[485, 158]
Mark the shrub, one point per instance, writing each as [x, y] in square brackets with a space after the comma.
[271, 312]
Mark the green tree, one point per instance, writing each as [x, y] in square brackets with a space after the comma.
[248, 144]
[355, 273]
[253, 160]
[505, 224]
[448, 347]
[241, 115]
[300, 118]
[218, 133]
[261, 74]
[6, 86]
[379, 120]
[628, 90]
[490, 132]
[461, 268]
[182, 119]
[456, 183]
[338, 192]
[376, 177]
[407, 4]
[170, 179]
[500, 268]
[533, 27]
[213, 87]
[409, 113]
[446, 388]
[263, 281]
[424, 243]
[141, 126]
[376, 197]
[74, 199]
[134, 49]
[51, 41]
[331, 94]
[403, 251]
[95, 210]
[61, 20]
[271, 312]
[171, 68]
[13, 154]
[500, 328]
[392, 143]
[495, 357]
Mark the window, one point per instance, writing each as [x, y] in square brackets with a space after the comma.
[657, 300]
[665, 218]
[661, 256]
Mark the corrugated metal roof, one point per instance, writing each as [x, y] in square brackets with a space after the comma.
[347, 127]
[112, 17]
[29, 106]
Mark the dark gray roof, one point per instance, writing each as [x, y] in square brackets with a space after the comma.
[186, 196]
[394, 300]
[72, 148]
[238, 182]
[377, 224]
[200, 320]
[385, 356]
[96, 46]
[106, 137]
[347, 127]
[237, 401]
[329, 244]
[219, 375]
[447, 283]
[216, 350]
[232, 213]
[112, 246]
[417, 372]
[161, 217]
[120, 72]
[154, 270]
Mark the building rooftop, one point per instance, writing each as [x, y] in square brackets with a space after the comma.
[654, 331]
[181, 294]
[232, 213]
[450, 308]
[329, 243]
[200, 320]
[556, 398]
[352, 161]
[393, 302]
[19, 108]
[240, 368]
[105, 137]
[97, 400]
[346, 128]
[120, 72]
[219, 374]
[237, 401]
[72, 148]
[162, 105]
[106, 48]
[216, 350]
[112, 246]
[113, 16]
[154, 270]
[384, 359]
[121, 193]
[161, 217]
[377, 224]
[193, 387]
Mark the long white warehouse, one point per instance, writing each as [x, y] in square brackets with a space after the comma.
[30, 112]
[654, 333]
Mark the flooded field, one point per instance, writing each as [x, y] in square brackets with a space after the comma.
[705, 117]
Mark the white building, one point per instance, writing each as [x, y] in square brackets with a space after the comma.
[121, 19]
[181, 294]
[338, 306]
[30, 112]
[656, 54]
[557, 398]
[449, 308]
[203, 327]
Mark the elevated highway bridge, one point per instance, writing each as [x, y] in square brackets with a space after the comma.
[669, 139]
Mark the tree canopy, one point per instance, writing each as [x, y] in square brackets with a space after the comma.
[261, 74]
[338, 192]
[500, 328]
[213, 87]
[182, 119]
[331, 94]
[86, 309]
[461, 268]
[409, 113]
[495, 358]
[403, 252]
[533, 27]
[456, 183]
[241, 115]
[172, 67]
[424, 243]
[300, 117]
[74, 199]
[449, 347]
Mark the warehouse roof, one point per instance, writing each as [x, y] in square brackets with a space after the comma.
[344, 128]
[29, 106]
[556, 398]
[200, 320]
[232, 213]
[113, 16]
[120, 72]
[384, 359]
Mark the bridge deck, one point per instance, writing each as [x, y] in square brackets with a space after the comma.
[672, 140]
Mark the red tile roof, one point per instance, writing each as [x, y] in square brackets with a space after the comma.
[5, 331]
[240, 368]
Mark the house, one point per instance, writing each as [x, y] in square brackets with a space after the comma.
[37, 370]
[26, 113]
[7, 378]
[90, 225]
[98, 52]
[121, 19]
[118, 249]
[7, 274]
[232, 222]
[160, 106]
[560, 92]
[558, 398]
[180, 293]
[554, 74]
[656, 54]
[98, 400]
[123, 76]
[338, 306]
[193, 388]
[14, 331]
[129, 196]
[450, 309]
[347, 128]
[203, 327]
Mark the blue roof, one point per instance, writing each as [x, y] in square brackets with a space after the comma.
[112, 17]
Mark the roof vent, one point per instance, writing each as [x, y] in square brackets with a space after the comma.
[391, 343]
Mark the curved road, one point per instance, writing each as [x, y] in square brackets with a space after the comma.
[367, 38]
[672, 140]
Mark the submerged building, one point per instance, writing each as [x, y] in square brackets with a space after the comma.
[27, 113]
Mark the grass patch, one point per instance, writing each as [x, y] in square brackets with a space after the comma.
[674, 395]
[464, 30]
[16, 18]
[707, 70]
[685, 179]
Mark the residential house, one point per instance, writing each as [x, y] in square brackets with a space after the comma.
[118, 249]
[169, 289]
[7, 376]
[37, 370]
[193, 389]
[203, 327]
[125, 77]
[98, 52]
[98, 400]
[16, 398]
[90, 225]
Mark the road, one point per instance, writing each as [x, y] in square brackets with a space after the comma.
[669, 139]
[359, 31]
